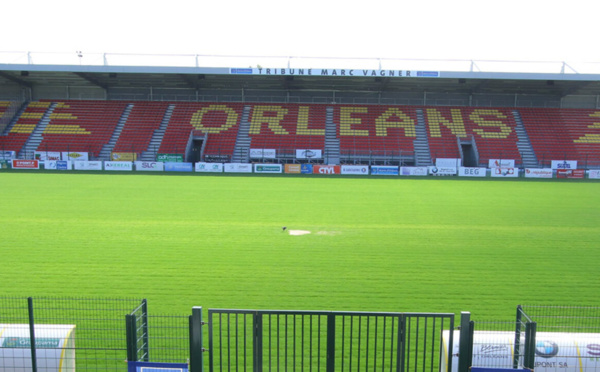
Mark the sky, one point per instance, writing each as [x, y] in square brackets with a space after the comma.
[524, 30]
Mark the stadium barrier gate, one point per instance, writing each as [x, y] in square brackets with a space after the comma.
[104, 334]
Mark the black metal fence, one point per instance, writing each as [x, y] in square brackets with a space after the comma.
[58, 334]
[269, 340]
[66, 334]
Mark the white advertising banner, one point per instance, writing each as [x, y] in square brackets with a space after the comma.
[149, 166]
[564, 164]
[268, 168]
[262, 153]
[75, 156]
[55, 350]
[118, 166]
[565, 352]
[414, 171]
[505, 172]
[87, 165]
[594, 174]
[442, 171]
[58, 165]
[472, 172]
[209, 167]
[447, 163]
[538, 172]
[362, 170]
[47, 155]
[309, 154]
[501, 163]
[237, 168]
[8, 155]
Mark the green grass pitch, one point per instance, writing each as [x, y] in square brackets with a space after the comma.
[376, 244]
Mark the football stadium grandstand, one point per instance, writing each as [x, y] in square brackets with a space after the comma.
[276, 115]
[424, 120]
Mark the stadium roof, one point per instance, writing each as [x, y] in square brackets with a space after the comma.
[288, 73]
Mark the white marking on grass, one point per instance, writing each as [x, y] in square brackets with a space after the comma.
[328, 232]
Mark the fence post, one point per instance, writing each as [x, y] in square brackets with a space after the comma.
[32, 335]
[401, 344]
[517, 338]
[465, 346]
[330, 342]
[131, 335]
[257, 342]
[530, 332]
[196, 349]
[145, 336]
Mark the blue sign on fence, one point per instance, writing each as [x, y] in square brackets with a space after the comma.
[179, 167]
[156, 367]
[306, 169]
[384, 170]
[62, 165]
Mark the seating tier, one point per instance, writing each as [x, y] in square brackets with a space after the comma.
[372, 130]
[219, 122]
[493, 130]
[27, 122]
[287, 127]
[144, 119]
[83, 126]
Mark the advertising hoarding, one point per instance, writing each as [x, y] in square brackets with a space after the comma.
[442, 171]
[505, 172]
[472, 172]
[75, 156]
[149, 166]
[237, 168]
[384, 170]
[413, 171]
[309, 154]
[361, 170]
[293, 168]
[262, 153]
[178, 167]
[209, 167]
[501, 163]
[268, 168]
[87, 165]
[47, 155]
[118, 166]
[564, 164]
[570, 173]
[326, 169]
[538, 172]
[25, 164]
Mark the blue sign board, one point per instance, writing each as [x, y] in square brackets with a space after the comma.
[62, 165]
[179, 167]
[306, 169]
[156, 367]
[384, 171]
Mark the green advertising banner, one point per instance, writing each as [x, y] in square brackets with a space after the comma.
[170, 158]
[4, 164]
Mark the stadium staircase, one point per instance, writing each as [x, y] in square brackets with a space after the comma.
[332, 142]
[34, 140]
[157, 137]
[524, 144]
[108, 148]
[421, 144]
[241, 153]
